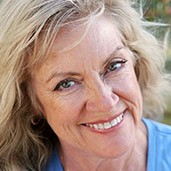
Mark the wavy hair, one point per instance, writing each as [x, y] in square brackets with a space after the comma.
[23, 25]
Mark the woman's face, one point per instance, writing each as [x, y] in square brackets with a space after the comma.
[89, 94]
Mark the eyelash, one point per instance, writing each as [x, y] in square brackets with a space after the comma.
[114, 63]
[62, 85]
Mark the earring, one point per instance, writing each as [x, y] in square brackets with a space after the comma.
[35, 120]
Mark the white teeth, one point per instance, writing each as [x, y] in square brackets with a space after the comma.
[118, 119]
[91, 125]
[106, 125]
[101, 126]
[95, 126]
[114, 122]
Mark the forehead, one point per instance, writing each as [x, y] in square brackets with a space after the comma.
[77, 42]
[79, 33]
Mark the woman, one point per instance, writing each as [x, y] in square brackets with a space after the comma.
[76, 79]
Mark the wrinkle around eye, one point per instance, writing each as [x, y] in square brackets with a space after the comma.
[115, 66]
[64, 85]
[78, 85]
[115, 77]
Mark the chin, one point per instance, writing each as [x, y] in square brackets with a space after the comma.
[115, 151]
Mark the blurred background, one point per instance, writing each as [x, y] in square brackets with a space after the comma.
[160, 11]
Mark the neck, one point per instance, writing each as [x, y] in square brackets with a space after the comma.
[134, 159]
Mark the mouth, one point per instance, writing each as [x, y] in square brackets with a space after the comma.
[106, 125]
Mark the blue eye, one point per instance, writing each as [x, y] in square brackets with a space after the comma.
[65, 84]
[115, 65]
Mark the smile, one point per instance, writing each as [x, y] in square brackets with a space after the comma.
[106, 125]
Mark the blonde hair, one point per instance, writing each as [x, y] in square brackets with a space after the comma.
[24, 146]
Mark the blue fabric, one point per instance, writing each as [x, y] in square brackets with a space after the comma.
[159, 149]
[54, 163]
[159, 146]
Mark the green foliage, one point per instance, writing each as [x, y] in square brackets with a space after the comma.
[158, 9]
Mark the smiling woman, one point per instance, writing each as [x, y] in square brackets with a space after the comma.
[79, 78]
[102, 89]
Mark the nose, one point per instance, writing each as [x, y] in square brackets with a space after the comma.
[101, 99]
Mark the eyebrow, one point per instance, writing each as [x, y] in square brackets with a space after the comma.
[113, 54]
[63, 74]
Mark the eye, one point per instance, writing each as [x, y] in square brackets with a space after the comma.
[64, 85]
[115, 65]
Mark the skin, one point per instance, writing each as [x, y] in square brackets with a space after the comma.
[101, 85]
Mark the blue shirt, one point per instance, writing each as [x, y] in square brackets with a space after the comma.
[54, 163]
[159, 146]
[159, 149]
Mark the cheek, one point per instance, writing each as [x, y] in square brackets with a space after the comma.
[63, 116]
[128, 90]
[134, 99]
[127, 84]
[62, 110]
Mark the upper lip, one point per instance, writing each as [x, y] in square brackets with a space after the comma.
[104, 120]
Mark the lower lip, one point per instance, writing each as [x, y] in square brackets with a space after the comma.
[105, 131]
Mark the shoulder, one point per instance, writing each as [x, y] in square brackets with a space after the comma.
[159, 128]
[159, 145]
[159, 134]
